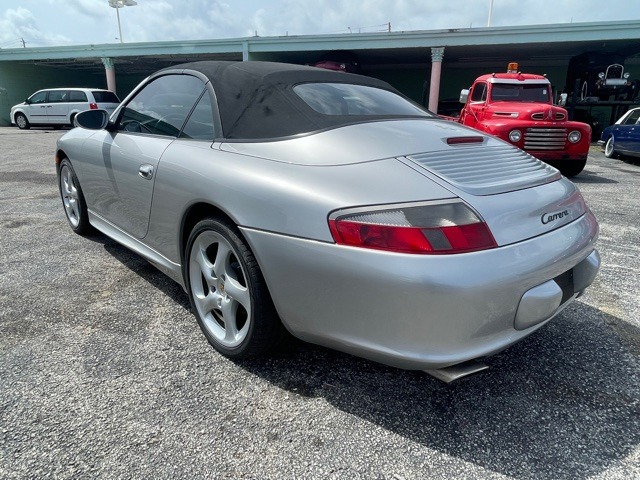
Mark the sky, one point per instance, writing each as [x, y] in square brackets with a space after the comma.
[81, 22]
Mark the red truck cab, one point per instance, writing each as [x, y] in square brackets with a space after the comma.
[518, 108]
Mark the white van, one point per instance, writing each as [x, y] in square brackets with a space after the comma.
[58, 106]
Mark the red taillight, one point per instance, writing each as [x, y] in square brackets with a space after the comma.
[436, 228]
[93, 106]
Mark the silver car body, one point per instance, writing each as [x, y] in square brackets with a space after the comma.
[406, 310]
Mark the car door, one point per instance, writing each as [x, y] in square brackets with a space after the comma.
[474, 109]
[36, 108]
[625, 131]
[57, 107]
[120, 166]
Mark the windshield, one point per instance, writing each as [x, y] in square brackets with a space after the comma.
[350, 99]
[511, 92]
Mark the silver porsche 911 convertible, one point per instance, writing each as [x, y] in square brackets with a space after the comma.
[286, 198]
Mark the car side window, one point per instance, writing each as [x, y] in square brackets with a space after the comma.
[479, 93]
[199, 126]
[40, 97]
[162, 106]
[77, 96]
[58, 96]
[632, 119]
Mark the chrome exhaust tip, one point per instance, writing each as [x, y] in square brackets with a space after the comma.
[456, 372]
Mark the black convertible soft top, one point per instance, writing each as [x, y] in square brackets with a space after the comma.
[256, 99]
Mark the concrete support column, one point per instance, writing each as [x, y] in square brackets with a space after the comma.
[110, 72]
[437, 53]
[245, 52]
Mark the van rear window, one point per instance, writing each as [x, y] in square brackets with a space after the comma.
[105, 97]
[77, 96]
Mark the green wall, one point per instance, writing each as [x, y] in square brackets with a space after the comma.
[20, 80]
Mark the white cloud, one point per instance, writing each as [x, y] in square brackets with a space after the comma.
[92, 21]
[20, 24]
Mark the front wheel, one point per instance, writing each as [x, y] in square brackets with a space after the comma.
[228, 293]
[571, 168]
[75, 207]
[22, 122]
[609, 148]
[584, 91]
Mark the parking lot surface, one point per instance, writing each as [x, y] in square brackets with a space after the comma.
[104, 372]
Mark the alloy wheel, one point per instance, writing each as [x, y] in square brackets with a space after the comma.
[219, 287]
[70, 196]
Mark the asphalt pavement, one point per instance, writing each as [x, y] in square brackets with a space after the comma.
[104, 372]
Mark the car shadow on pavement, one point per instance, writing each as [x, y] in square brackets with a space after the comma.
[562, 404]
[587, 176]
[143, 268]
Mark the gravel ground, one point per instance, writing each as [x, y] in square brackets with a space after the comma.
[105, 374]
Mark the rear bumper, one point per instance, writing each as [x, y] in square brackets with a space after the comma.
[422, 312]
[552, 156]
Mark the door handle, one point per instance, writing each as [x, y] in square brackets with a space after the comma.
[146, 171]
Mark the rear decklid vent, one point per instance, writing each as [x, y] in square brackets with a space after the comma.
[486, 170]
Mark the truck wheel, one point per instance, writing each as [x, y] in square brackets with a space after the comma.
[572, 168]
[584, 93]
[634, 89]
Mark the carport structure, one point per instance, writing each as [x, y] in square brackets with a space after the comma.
[428, 66]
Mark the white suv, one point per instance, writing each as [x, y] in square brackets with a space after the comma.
[59, 106]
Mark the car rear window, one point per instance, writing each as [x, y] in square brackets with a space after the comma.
[105, 97]
[351, 99]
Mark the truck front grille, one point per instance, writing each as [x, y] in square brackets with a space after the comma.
[545, 138]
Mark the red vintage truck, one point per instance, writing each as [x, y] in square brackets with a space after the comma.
[518, 108]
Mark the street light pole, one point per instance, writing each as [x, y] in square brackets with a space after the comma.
[490, 13]
[118, 4]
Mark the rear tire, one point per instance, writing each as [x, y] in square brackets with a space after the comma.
[228, 294]
[75, 207]
[609, 148]
[22, 122]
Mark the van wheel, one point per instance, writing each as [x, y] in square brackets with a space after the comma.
[22, 122]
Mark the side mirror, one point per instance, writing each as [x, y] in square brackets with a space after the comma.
[27, 101]
[562, 101]
[464, 95]
[92, 119]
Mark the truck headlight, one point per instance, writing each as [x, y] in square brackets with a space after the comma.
[575, 136]
[515, 136]
[626, 75]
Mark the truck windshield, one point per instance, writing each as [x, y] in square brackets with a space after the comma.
[509, 92]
